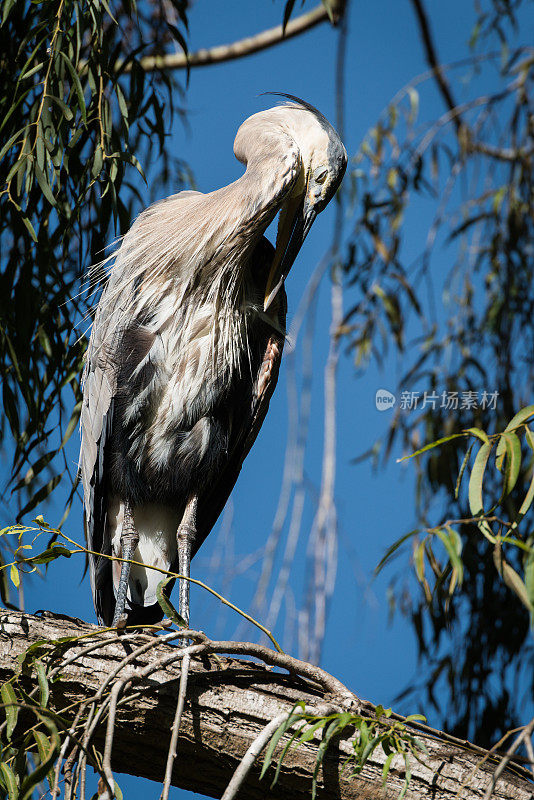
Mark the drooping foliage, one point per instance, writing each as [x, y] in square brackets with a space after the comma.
[464, 340]
[78, 117]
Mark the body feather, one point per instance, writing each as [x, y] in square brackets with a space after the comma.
[173, 396]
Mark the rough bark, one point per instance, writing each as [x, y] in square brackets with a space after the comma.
[228, 703]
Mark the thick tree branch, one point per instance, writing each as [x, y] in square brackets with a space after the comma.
[239, 49]
[228, 703]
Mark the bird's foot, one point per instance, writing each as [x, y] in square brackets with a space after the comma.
[120, 622]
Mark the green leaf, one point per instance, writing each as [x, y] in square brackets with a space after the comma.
[29, 228]
[475, 489]
[462, 470]
[385, 768]
[393, 548]
[9, 700]
[333, 9]
[14, 574]
[50, 554]
[137, 164]
[479, 433]
[25, 74]
[10, 781]
[34, 470]
[73, 423]
[98, 160]
[279, 732]
[44, 185]
[76, 83]
[283, 755]
[368, 750]
[419, 560]
[309, 732]
[10, 142]
[513, 460]
[40, 149]
[432, 445]
[65, 110]
[8, 5]
[453, 545]
[43, 682]
[321, 750]
[520, 418]
[516, 584]
[17, 166]
[43, 746]
[178, 36]
[416, 718]
[166, 605]
[43, 769]
[512, 579]
[407, 776]
[41, 495]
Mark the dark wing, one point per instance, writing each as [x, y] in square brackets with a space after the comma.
[99, 391]
[245, 430]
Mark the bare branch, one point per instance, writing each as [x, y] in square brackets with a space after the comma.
[432, 58]
[524, 736]
[510, 154]
[239, 49]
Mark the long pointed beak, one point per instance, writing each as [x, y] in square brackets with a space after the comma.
[296, 220]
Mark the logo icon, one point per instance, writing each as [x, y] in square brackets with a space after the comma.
[384, 400]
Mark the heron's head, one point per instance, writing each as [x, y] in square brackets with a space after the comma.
[323, 160]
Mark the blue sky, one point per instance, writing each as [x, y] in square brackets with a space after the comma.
[375, 658]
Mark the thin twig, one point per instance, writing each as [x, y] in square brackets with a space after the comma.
[523, 736]
[530, 753]
[55, 789]
[110, 730]
[176, 726]
[432, 58]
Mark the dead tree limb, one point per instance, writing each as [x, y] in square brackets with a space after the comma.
[228, 703]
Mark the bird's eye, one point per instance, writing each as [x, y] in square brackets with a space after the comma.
[320, 174]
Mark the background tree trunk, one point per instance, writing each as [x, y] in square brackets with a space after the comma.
[228, 702]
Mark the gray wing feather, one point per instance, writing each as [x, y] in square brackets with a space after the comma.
[99, 387]
[115, 314]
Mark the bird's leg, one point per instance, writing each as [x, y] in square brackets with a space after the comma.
[185, 536]
[129, 542]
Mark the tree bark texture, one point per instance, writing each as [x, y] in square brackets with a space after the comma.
[228, 703]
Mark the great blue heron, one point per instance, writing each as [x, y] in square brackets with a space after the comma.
[184, 356]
